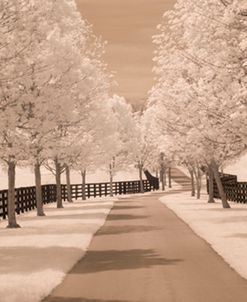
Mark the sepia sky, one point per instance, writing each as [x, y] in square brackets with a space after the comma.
[128, 26]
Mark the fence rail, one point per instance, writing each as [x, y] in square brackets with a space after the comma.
[25, 198]
[235, 191]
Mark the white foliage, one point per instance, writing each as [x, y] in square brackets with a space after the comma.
[199, 98]
[52, 80]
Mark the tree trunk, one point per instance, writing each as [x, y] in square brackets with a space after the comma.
[11, 196]
[224, 201]
[68, 184]
[162, 177]
[39, 201]
[140, 166]
[111, 180]
[198, 188]
[58, 183]
[210, 184]
[163, 188]
[162, 171]
[198, 176]
[83, 175]
[170, 177]
[192, 178]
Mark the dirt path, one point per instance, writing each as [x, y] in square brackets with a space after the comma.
[145, 253]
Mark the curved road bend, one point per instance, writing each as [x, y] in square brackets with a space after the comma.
[145, 253]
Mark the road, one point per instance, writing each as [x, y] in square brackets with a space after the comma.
[145, 253]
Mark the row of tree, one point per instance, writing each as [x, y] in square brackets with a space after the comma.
[198, 105]
[56, 108]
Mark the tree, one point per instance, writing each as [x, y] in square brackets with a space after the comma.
[140, 147]
[48, 58]
[198, 68]
[124, 125]
[86, 81]
[19, 36]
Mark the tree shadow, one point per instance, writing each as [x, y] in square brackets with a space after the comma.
[91, 201]
[50, 230]
[116, 230]
[82, 216]
[25, 260]
[113, 217]
[99, 261]
[196, 203]
[231, 219]
[70, 299]
[125, 199]
[116, 207]
[230, 210]
[238, 235]
[84, 207]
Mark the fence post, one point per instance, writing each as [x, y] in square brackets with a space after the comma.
[4, 203]
[100, 190]
[106, 189]
[94, 190]
[88, 190]
[17, 201]
[124, 187]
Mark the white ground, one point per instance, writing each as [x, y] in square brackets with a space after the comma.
[224, 229]
[35, 258]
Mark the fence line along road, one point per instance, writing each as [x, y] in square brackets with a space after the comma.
[25, 198]
[235, 191]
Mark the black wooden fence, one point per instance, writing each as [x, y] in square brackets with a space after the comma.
[25, 198]
[154, 181]
[235, 191]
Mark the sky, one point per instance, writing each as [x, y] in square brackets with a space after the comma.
[128, 26]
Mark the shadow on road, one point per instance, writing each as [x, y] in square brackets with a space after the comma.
[116, 230]
[125, 217]
[99, 261]
[116, 207]
[70, 299]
